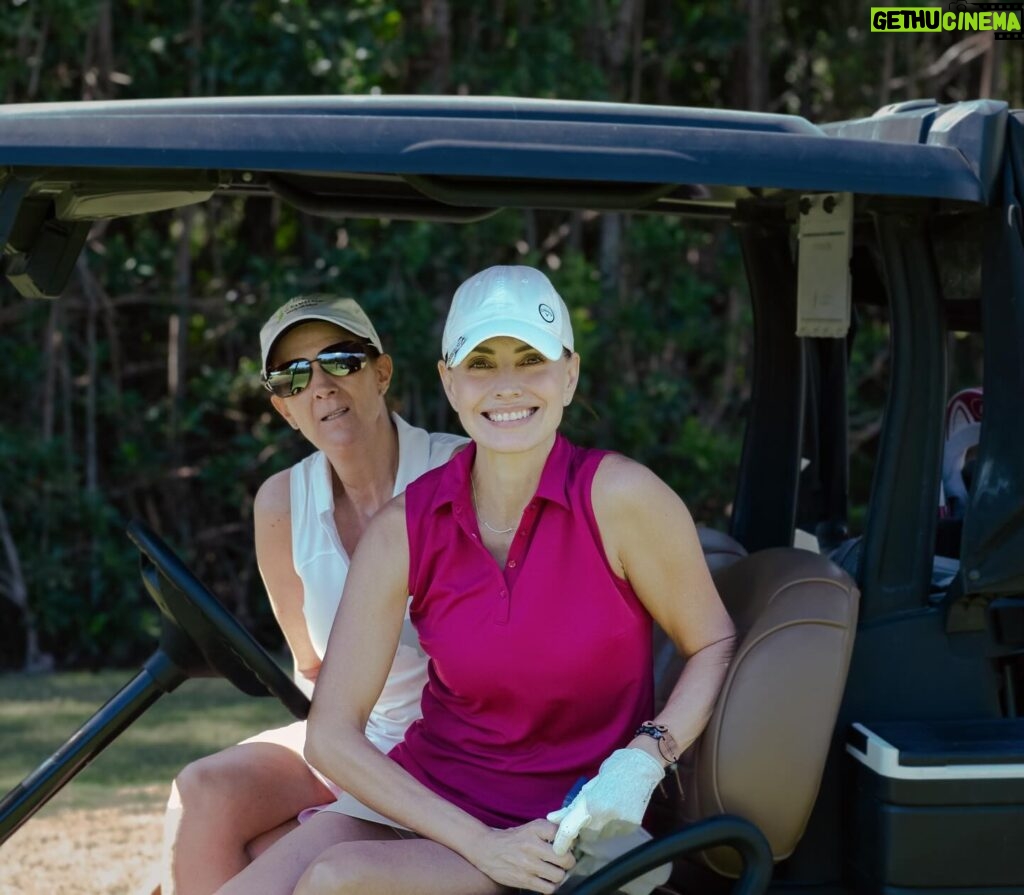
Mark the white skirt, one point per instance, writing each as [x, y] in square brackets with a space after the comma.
[293, 736]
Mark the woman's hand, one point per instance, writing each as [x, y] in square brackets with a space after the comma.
[522, 857]
[619, 793]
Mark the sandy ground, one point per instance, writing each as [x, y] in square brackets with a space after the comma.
[86, 851]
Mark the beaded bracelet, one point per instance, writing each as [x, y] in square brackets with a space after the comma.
[667, 747]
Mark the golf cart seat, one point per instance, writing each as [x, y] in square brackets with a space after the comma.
[720, 549]
[762, 754]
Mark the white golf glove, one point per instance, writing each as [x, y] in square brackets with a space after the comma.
[620, 792]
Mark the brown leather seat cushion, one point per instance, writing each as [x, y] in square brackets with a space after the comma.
[764, 749]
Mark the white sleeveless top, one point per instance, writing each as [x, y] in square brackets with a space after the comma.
[322, 563]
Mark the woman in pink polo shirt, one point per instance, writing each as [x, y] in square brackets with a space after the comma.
[535, 569]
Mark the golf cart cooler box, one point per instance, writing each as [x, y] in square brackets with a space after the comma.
[938, 806]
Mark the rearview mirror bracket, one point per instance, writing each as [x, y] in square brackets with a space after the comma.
[39, 250]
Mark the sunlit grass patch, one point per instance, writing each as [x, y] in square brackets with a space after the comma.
[38, 713]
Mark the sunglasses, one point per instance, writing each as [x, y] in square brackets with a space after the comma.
[341, 359]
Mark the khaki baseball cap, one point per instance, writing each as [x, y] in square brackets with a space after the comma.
[514, 301]
[344, 312]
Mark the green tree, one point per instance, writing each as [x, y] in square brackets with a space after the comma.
[120, 414]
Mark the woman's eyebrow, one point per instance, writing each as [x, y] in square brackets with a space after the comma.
[480, 349]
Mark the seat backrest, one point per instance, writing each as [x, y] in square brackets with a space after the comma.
[720, 549]
[764, 749]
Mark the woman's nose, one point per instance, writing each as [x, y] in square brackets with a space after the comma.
[322, 382]
[508, 385]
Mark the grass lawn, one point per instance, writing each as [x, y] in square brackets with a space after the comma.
[101, 834]
[37, 713]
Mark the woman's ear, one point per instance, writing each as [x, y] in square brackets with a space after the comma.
[446, 381]
[384, 367]
[572, 378]
[281, 406]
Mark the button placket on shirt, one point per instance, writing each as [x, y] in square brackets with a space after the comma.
[514, 561]
[515, 551]
[508, 577]
[463, 519]
[510, 573]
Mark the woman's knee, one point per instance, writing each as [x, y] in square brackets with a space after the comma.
[208, 782]
[345, 869]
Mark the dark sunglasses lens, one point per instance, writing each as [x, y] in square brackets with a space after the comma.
[342, 363]
[290, 380]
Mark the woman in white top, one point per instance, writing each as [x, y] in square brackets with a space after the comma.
[325, 366]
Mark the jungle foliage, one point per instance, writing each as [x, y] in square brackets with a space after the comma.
[136, 394]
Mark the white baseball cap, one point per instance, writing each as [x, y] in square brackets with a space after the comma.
[343, 312]
[513, 301]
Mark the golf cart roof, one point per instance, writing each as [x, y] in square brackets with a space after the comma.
[449, 157]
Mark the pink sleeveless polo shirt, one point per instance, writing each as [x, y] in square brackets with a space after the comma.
[537, 671]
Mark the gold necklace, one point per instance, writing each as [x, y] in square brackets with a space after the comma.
[476, 506]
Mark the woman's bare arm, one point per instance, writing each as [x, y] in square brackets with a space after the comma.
[650, 539]
[273, 525]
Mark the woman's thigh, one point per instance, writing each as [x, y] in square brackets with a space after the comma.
[259, 844]
[278, 869]
[254, 787]
[395, 867]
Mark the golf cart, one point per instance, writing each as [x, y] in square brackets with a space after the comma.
[868, 737]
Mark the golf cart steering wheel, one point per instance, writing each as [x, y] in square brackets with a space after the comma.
[199, 635]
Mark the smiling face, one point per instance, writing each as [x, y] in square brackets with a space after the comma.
[508, 396]
[332, 411]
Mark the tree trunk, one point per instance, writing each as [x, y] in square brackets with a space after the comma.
[991, 82]
[36, 61]
[98, 55]
[437, 25]
[92, 484]
[618, 45]
[13, 587]
[757, 68]
[913, 54]
[610, 267]
[177, 360]
[51, 350]
[888, 60]
[67, 395]
[195, 86]
[636, 51]
[92, 372]
[726, 387]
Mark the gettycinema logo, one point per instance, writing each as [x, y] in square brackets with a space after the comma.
[1003, 19]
